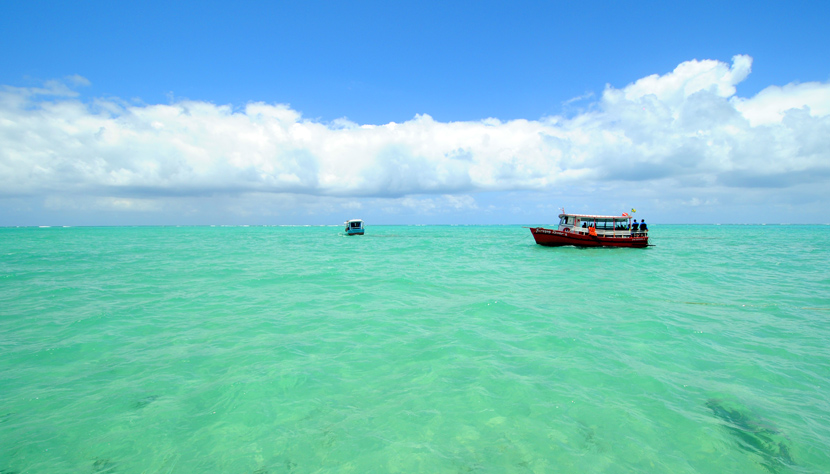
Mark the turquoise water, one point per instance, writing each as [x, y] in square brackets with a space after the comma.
[413, 349]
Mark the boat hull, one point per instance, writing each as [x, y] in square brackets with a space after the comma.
[558, 238]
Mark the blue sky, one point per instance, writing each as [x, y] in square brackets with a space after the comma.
[412, 112]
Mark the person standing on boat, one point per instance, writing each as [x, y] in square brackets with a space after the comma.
[643, 227]
[634, 227]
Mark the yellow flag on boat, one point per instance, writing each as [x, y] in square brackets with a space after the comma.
[633, 210]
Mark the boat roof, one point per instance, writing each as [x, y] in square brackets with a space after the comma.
[354, 220]
[591, 216]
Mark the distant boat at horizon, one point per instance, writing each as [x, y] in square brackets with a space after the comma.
[354, 227]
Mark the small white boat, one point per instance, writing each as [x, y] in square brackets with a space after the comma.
[354, 227]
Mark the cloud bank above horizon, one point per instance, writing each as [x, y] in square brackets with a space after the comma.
[686, 134]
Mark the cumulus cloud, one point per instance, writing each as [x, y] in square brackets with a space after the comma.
[686, 129]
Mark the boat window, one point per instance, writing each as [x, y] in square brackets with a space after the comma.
[563, 220]
[605, 224]
[355, 225]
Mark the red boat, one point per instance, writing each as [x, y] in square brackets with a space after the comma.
[585, 230]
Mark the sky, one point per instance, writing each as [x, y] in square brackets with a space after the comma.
[399, 112]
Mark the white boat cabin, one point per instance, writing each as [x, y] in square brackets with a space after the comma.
[354, 227]
[602, 226]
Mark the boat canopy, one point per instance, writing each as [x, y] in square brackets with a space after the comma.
[592, 217]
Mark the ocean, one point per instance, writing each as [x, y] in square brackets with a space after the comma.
[413, 349]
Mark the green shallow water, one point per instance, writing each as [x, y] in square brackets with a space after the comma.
[413, 349]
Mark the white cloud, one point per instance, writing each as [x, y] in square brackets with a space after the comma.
[688, 78]
[677, 134]
[83, 203]
[771, 104]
